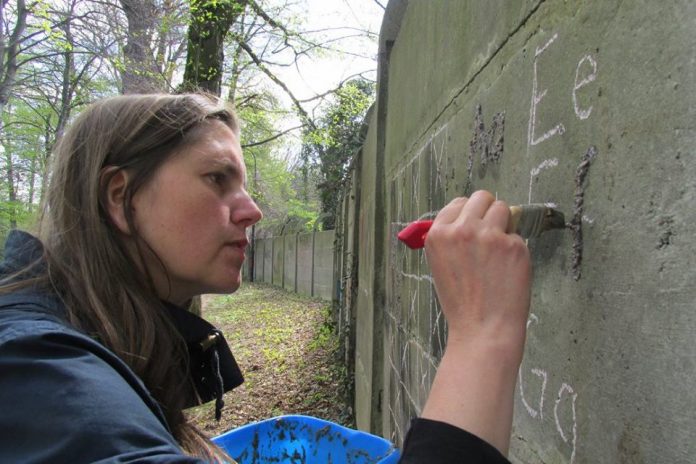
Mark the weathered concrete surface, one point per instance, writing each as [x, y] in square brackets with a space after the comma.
[259, 246]
[267, 258]
[367, 385]
[324, 284]
[278, 261]
[304, 264]
[300, 263]
[290, 262]
[593, 106]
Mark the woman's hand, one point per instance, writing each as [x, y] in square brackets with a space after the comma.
[482, 277]
[481, 273]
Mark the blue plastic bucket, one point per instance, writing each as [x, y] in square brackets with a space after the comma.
[305, 440]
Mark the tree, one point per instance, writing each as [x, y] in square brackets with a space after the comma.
[18, 50]
[21, 153]
[331, 147]
[270, 179]
[55, 71]
[209, 25]
[139, 72]
[152, 44]
[11, 40]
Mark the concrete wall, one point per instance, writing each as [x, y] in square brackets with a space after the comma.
[588, 105]
[290, 262]
[304, 267]
[368, 337]
[301, 263]
[278, 266]
[267, 258]
[323, 270]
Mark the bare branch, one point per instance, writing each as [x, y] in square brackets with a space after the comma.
[270, 139]
[303, 114]
[337, 88]
[364, 32]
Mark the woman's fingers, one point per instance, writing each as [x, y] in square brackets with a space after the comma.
[481, 205]
[478, 204]
[498, 215]
[450, 212]
[461, 207]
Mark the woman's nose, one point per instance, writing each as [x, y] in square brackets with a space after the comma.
[246, 212]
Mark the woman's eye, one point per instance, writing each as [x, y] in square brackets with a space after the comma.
[217, 178]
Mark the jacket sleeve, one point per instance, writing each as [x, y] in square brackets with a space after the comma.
[65, 398]
[434, 442]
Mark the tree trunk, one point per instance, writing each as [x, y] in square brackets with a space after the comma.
[140, 74]
[11, 191]
[70, 78]
[9, 50]
[210, 22]
[68, 86]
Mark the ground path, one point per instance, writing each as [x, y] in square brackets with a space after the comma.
[285, 346]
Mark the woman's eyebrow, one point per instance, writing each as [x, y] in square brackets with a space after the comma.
[228, 166]
[225, 164]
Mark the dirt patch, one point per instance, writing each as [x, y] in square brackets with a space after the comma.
[287, 350]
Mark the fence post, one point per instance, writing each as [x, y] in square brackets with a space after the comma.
[263, 261]
[314, 233]
[272, 258]
[297, 245]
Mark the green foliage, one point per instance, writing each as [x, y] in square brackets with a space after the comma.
[22, 156]
[331, 147]
[325, 337]
[15, 214]
[269, 177]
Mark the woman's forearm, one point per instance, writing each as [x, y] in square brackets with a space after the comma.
[474, 390]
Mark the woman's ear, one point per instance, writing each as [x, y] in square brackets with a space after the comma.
[115, 193]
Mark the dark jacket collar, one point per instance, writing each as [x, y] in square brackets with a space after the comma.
[204, 343]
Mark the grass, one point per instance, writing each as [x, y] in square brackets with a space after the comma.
[286, 348]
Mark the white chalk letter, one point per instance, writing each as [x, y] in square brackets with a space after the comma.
[583, 114]
[574, 396]
[536, 99]
[539, 373]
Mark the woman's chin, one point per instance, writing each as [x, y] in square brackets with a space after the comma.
[227, 287]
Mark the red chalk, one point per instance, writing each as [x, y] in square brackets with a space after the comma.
[414, 234]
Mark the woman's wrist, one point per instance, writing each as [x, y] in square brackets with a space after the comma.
[504, 349]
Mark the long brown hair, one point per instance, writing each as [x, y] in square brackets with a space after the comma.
[107, 292]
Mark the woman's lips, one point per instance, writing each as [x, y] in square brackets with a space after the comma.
[238, 247]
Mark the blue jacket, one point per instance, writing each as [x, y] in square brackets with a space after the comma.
[64, 397]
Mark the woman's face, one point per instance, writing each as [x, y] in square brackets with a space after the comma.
[194, 213]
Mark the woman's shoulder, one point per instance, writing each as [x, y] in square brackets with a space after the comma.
[31, 316]
[29, 312]
[25, 304]
[65, 392]
[21, 249]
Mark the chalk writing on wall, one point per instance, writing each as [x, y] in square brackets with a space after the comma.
[487, 143]
[415, 327]
[566, 396]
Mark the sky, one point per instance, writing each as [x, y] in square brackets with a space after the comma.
[316, 76]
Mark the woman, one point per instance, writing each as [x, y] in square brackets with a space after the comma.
[146, 209]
